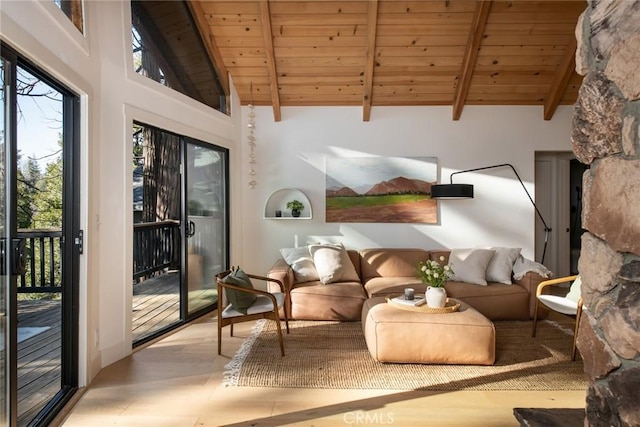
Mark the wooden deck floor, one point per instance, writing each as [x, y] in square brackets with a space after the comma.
[39, 355]
[155, 306]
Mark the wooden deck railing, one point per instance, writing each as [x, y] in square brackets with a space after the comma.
[156, 246]
[42, 261]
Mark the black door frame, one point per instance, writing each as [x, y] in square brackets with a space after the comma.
[71, 247]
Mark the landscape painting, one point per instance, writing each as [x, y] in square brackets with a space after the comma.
[381, 189]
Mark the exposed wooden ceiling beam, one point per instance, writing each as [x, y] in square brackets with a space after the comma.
[372, 25]
[267, 35]
[560, 80]
[209, 43]
[476, 32]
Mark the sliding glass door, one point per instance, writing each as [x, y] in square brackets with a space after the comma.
[40, 242]
[180, 233]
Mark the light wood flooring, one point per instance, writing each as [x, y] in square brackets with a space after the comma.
[176, 381]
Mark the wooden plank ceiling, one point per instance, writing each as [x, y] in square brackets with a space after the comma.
[393, 52]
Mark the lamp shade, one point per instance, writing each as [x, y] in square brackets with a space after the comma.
[452, 191]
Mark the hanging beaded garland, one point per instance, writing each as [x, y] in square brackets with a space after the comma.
[252, 145]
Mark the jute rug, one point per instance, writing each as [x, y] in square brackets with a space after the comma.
[335, 355]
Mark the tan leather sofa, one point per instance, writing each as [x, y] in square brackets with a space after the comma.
[386, 272]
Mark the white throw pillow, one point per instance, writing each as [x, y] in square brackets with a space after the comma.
[302, 264]
[575, 291]
[470, 265]
[333, 263]
[501, 265]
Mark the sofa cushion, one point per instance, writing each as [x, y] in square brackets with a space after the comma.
[393, 286]
[333, 263]
[339, 301]
[500, 267]
[497, 301]
[390, 262]
[301, 262]
[354, 256]
[470, 265]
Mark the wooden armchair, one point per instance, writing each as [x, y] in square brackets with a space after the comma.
[265, 306]
[570, 304]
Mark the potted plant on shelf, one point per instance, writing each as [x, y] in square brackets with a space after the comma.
[434, 274]
[296, 207]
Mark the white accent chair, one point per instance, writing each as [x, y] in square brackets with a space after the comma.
[266, 306]
[570, 304]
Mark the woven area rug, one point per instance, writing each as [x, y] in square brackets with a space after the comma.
[335, 355]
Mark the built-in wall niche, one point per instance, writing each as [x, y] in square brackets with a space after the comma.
[276, 204]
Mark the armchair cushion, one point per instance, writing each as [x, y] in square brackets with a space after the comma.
[262, 304]
[239, 300]
[574, 291]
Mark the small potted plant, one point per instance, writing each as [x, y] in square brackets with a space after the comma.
[296, 207]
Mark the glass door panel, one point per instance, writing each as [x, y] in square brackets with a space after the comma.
[156, 232]
[206, 224]
[39, 213]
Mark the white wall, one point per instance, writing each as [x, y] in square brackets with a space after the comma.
[98, 66]
[292, 154]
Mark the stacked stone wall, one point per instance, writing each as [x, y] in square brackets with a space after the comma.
[606, 136]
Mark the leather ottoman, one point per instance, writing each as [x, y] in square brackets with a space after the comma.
[464, 337]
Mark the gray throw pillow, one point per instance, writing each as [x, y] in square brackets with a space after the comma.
[501, 265]
[470, 265]
[239, 300]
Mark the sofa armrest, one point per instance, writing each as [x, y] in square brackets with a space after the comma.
[530, 282]
[284, 273]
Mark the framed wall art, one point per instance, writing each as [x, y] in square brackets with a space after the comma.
[381, 189]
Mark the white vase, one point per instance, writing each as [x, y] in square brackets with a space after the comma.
[436, 297]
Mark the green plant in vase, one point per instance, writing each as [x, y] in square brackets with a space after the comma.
[296, 207]
[434, 274]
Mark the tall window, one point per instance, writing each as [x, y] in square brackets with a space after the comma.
[167, 48]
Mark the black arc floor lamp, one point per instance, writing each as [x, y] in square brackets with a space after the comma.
[453, 191]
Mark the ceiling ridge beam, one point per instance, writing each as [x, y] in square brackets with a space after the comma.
[198, 15]
[372, 27]
[267, 35]
[476, 32]
[560, 80]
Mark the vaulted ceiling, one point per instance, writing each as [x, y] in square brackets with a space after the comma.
[394, 52]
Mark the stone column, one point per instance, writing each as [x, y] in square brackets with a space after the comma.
[606, 136]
